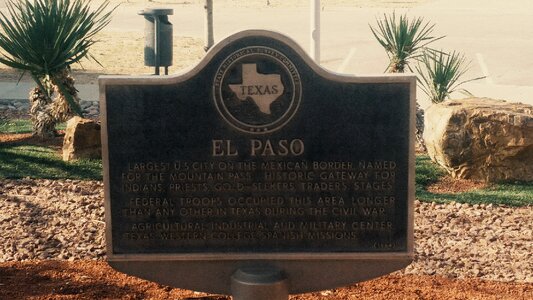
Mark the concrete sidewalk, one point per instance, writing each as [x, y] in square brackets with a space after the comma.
[14, 91]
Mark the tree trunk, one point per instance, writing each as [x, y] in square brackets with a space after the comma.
[61, 109]
[396, 66]
[40, 114]
[420, 128]
[47, 111]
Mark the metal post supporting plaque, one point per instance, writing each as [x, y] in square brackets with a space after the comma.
[259, 284]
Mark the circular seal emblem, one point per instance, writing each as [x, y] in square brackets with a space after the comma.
[257, 90]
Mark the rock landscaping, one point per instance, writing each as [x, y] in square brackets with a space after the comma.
[18, 108]
[64, 220]
[51, 219]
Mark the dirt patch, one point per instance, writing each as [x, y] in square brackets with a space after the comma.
[110, 52]
[96, 280]
[28, 139]
[449, 185]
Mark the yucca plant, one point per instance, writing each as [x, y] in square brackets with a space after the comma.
[44, 38]
[403, 39]
[440, 74]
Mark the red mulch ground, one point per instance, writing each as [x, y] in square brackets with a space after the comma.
[96, 280]
[449, 185]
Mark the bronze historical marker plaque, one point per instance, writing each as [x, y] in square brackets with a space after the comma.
[258, 156]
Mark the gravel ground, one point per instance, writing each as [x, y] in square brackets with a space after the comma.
[18, 109]
[64, 219]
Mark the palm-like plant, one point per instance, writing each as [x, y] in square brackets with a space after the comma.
[440, 74]
[44, 38]
[403, 39]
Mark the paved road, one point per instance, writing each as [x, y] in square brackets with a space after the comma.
[497, 36]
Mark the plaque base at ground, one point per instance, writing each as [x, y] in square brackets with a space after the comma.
[258, 158]
[305, 275]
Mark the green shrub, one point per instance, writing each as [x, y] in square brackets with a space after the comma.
[440, 74]
[403, 39]
[44, 38]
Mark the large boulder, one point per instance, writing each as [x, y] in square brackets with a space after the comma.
[82, 139]
[481, 139]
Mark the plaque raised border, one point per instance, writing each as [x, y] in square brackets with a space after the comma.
[306, 271]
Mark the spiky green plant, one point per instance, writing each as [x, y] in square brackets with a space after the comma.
[44, 38]
[440, 74]
[403, 39]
